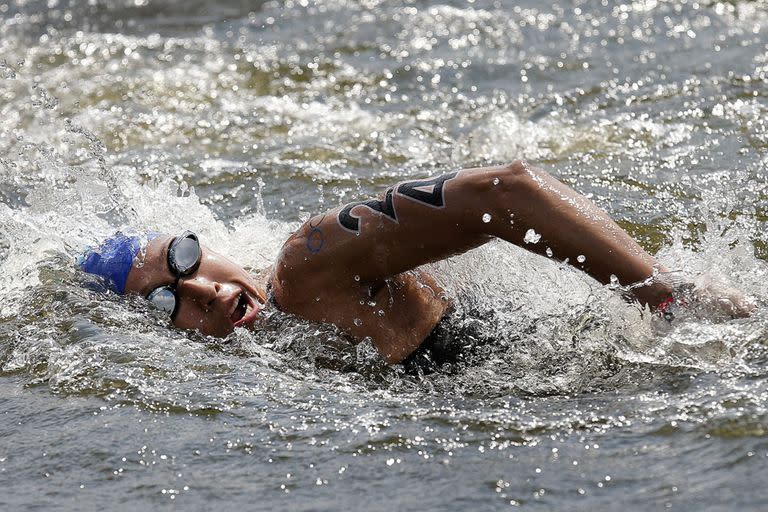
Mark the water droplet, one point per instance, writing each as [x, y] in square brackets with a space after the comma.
[496, 181]
[380, 312]
[357, 278]
[549, 252]
[486, 218]
[531, 237]
[358, 322]
[581, 258]
[614, 280]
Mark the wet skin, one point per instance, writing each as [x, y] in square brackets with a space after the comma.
[368, 283]
[358, 266]
[212, 300]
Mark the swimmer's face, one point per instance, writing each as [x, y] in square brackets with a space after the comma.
[219, 296]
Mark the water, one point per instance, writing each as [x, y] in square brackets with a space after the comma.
[238, 119]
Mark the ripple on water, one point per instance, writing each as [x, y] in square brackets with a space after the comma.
[237, 120]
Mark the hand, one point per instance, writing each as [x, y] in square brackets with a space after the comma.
[712, 291]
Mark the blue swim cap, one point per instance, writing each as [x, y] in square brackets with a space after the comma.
[113, 259]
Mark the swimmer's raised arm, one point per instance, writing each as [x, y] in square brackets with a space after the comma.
[421, 221]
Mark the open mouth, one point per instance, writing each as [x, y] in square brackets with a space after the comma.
[245, 310]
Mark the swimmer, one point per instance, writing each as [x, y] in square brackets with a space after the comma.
[358, 266]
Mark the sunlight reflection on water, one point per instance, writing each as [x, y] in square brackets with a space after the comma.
[236, 120]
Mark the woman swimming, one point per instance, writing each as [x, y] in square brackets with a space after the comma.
[357, 266]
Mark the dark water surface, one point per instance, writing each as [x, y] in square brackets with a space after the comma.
[237, 119]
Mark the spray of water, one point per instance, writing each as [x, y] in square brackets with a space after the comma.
[538, 326]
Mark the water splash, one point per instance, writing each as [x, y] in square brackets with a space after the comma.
[86, 178]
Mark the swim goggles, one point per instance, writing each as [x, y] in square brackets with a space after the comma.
[184, 256]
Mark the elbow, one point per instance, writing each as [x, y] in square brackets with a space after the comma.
[504, 180]
[502, 197]
[516, 193]
[518, 181]
[519, 173]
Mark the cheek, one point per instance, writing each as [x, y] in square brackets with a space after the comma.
[190, 317]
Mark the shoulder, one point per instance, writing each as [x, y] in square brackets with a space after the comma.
[301, 273]
[288, 272]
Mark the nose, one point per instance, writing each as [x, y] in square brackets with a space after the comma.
[200, 290]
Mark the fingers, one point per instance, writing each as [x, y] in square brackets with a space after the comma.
[729, 299]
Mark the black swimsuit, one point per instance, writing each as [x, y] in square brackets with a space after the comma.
[450, 342]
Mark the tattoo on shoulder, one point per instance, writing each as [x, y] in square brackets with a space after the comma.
[427, 192]
[315, 237]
